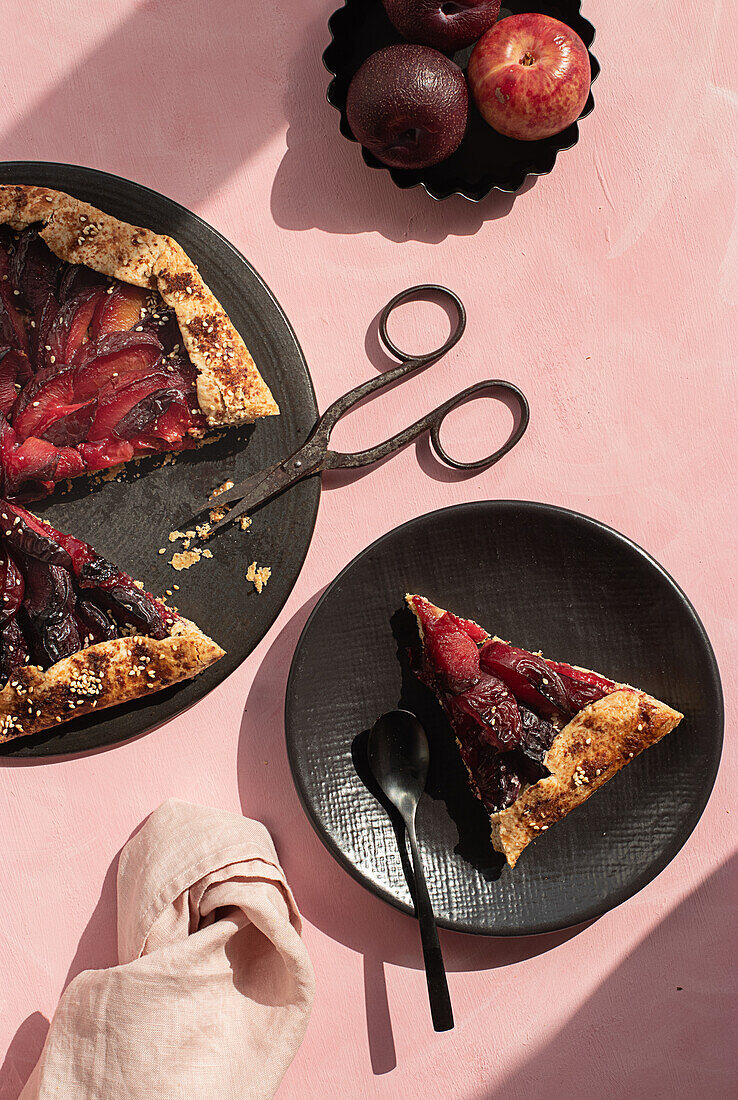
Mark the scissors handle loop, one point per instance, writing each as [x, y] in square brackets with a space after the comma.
[423, 290]
[407, 363]
[432, 422]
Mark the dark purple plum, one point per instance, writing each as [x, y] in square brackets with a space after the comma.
[537, 739]
[94, 572]
[582, 687]
[499, 780]
[69, 327]
[71, 426]
[48, 604]
[531, 679]
[78, 277]
[28, 543]
[142, 415]
[408, 105]
[493, 707]
[131, 606]
[12, 587]
[58, 595]
[13, 650]
[34, 270]
[96, 625]
[15, 372]
[445, 26]
[162, 323]
[12, 329]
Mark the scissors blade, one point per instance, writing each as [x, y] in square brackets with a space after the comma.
[259, 489]
[237, 492]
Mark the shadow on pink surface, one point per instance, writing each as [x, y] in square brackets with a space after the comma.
[660, 1025]
[96, 950]
[22, 1054]
[217, 106]
[182, 120]
[323, 182]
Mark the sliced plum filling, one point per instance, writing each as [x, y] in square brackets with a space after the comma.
[59, 596]
[92, 372]
[505, 705]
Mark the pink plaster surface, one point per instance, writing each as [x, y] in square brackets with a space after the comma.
[607, 292]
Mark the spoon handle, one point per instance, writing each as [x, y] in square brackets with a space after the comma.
[435, 972]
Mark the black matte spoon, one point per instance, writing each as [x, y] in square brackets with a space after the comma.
[398, 756]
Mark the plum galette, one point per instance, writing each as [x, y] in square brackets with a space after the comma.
[111, 348]
[537, 737]
[111, 345]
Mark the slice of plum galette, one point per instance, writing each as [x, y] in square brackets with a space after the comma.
[111, 345]
[78, 634]
[537, 737]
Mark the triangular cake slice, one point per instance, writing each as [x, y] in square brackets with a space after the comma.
[78, 634]
[538, 737]
[111, 345]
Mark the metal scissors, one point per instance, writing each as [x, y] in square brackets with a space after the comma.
[314, 455]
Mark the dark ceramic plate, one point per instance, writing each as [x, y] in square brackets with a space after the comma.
[129, 522]
[485, 159]
[548, 579]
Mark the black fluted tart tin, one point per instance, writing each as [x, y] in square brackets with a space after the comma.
[485, 160]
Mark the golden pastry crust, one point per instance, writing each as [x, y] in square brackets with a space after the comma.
[597, 742]
[230, 389]
[588, 751]
[100, 676]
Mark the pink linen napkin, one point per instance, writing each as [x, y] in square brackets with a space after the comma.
[214, 988]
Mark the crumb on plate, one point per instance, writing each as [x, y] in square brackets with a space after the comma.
[185, 559]
[258, 575]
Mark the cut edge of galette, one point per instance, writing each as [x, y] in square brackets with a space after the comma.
[112, 347]
[78, 634]
[537, 737]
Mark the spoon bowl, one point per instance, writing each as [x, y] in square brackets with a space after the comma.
[399, 756]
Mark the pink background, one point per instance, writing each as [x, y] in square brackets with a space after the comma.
[605, 290]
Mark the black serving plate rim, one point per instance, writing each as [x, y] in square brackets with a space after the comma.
[397, 175]
[613, 900]
[30, 749]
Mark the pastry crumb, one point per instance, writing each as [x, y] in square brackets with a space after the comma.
[221, 489]
[217, 514]
[245, 522]
[258, 575]
[174, 535]
[185, 559]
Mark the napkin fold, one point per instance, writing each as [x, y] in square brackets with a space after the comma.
[214, 987]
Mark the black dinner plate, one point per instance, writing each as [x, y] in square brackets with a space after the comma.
[129, 522]
[485, 159]
[548, 579]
